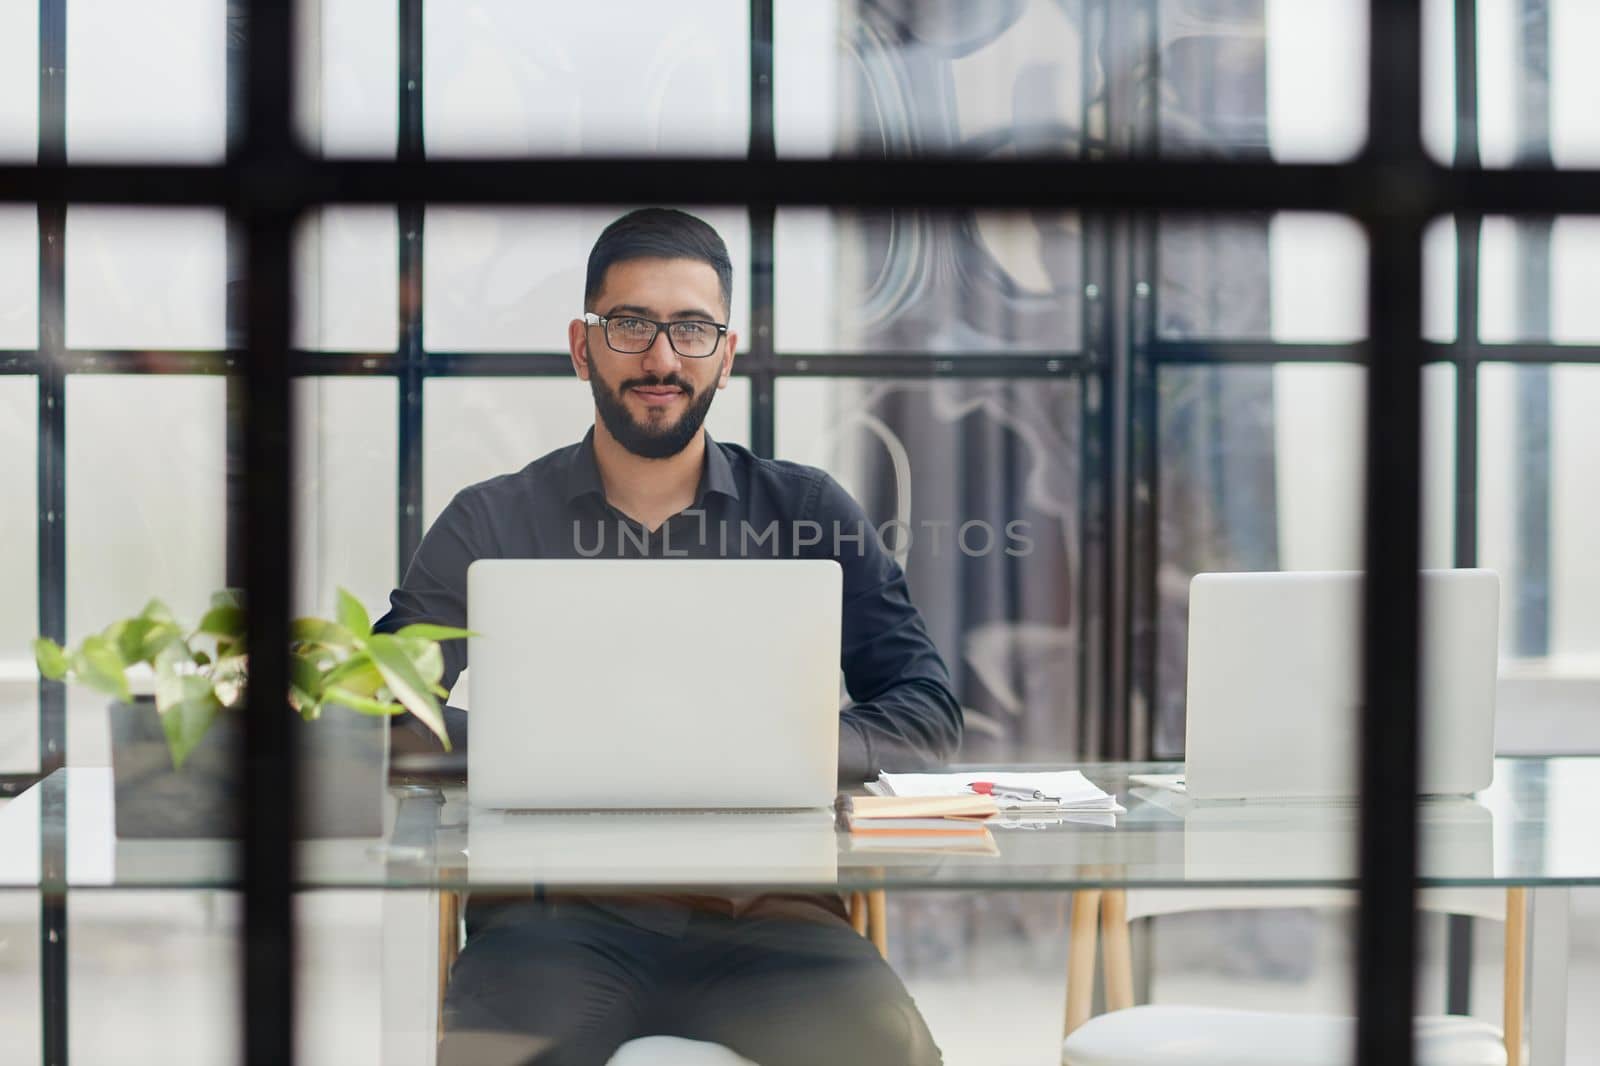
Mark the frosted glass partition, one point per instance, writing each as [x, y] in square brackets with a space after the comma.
[146, 278]
[1294, 278]
[19, 276]
[347, 293]
[148, 81]
[142, 522]
[19, 81]
[608, 77]
[509, 280]
[346, 468]
[1007, 282]
[477, 428]
[1566, 533]
[1515, 303]
[349, 56]
[19, 572]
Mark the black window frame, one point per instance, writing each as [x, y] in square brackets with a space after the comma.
[268, 181]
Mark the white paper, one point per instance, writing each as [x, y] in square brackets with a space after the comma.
[1075, 791]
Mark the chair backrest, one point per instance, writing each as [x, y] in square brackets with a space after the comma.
[1111, 911]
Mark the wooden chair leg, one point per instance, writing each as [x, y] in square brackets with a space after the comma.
[856, 905]
[878, 921]
[1117, 949]
[449, 944]
[1080, 957]
[1515, 971]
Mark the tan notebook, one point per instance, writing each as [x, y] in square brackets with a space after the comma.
[901, 815]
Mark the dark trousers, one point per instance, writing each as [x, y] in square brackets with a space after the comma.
[570, 981]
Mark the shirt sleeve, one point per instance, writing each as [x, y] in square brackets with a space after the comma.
[435, 590]
[902, 714]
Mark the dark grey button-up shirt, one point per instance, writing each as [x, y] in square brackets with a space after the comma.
[901, 715]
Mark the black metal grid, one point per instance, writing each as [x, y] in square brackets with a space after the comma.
[1393, 189]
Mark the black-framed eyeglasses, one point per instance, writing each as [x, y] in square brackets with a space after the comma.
[630, 334]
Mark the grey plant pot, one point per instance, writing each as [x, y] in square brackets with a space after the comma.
[343, 760]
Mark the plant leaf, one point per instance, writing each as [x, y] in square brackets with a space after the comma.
[304, 675]
[362, 704]
[223, 622]
[408, 687]
[356, 674]
[228, 598]
[188, 706]
[320, 631]
[164, 645]
[353, 616]
[51, 658]
[428, 631]
[156, 611]
[129, 638]
[98, 665]
[425, 655]
[300, 700]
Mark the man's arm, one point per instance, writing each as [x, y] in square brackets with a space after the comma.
[902, 714]
[435, 590]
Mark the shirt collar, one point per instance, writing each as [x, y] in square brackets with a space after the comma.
[583, 473]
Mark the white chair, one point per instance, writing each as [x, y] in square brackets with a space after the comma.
[1209, 1036]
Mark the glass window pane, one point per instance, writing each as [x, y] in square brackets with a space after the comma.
[19, 276]
[975, 485]
[19, 573]
[347, 297]
[477, 428]
[1537, 526]
[1574, 83]
[347, 457]
[155, 975]
[145, 278]
[1287, 76]
[19, 81]
[148, 81]
[504, 77]
[509, 280]
[142, 522]
[349, 69]
[1521, 56]
[1284, 277]
[1262, 468]
[909, 79]
[1537, 280]
[1290, 277]
[912, 281]
[1538, 520]
[1316, 76]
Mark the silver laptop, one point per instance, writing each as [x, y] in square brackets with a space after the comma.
[1275, 684]
[638, 683]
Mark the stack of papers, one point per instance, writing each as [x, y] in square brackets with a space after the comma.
[1062, 794]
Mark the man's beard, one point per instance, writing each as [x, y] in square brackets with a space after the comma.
[649, 442]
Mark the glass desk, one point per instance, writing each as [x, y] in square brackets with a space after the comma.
[1534, 828]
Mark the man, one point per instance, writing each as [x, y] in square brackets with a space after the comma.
[777, 979]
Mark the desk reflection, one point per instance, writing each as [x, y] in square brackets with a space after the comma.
[571, 975]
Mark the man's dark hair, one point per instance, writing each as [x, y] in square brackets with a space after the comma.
[658, 233]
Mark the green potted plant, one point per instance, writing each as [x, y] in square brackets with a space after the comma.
[174, 751]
